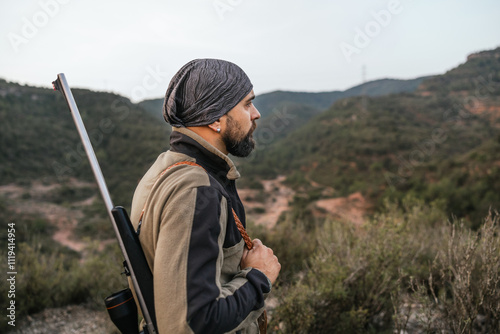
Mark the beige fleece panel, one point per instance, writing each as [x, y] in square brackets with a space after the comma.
[143, 190]
[220, 242]
[170, 263]
[232, 260]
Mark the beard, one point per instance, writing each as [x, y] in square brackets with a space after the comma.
[235, 145]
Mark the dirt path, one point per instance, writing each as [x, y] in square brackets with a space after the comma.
[265, 209]
[73, 319]
[272, 204]
[351, 208]
[279, 198]
[29, 200]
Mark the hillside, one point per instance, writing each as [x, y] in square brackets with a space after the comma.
[321, 101]
[360, 144]
[292, 109]
[414, 157]
[47, 191]
[39, 140]
[400, 144]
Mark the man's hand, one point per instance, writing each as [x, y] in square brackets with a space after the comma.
[262, 258]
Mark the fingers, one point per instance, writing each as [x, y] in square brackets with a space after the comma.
[245, 252]
[262, 258]
[260, 247]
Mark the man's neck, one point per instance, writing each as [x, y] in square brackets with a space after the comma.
[212, 137]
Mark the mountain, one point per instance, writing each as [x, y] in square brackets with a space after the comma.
[153, 106]
[326, 144]
[394, 145]
[283, 111]
[321, 101]
[477, 76]
[438, 142]
[39, 140]
[292, 109]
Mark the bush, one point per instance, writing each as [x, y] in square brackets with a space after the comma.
[54, 279]
[69, 194]
[350, 280]
[462, 292]
[406, 270]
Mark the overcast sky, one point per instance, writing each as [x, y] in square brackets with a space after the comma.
[134, 48]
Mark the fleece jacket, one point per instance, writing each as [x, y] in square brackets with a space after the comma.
[192, 243]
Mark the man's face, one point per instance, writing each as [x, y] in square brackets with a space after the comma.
[240, 125]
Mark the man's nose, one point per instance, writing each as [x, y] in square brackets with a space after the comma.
[255, 114]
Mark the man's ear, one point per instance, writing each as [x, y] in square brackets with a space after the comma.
[215, 126]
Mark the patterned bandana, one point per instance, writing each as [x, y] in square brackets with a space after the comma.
[203, 91]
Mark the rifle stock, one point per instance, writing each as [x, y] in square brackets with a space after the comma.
[135, 263]
[136, 257]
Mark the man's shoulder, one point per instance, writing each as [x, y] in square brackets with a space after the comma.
[173, 174]
[174, 171]
[180, 170]
[184, 170]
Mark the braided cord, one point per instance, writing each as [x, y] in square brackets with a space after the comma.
[242, 230]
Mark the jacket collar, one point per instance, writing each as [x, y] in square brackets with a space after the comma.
[188, 142]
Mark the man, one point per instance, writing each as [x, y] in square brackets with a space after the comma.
[187, 208]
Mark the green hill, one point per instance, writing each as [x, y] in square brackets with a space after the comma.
[153, 106]
[371, 144]
[478, 76]
[386, 145]
[437, 143]
[39, 140]
[285, 109]
[321, 101]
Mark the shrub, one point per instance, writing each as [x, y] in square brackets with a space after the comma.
[53, 279]
[292, 242]
[349, 281]
[463, 296]
[406, 270]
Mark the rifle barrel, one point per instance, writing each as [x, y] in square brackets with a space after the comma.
[61, 84]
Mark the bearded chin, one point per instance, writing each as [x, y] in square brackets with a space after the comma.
[236, 146]
[241, 148]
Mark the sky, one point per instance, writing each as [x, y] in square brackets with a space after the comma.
[134, 48]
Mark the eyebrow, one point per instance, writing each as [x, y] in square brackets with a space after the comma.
[250, 98]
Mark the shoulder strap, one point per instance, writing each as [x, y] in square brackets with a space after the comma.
[237, 220]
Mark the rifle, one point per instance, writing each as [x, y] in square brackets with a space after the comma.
[121, 305]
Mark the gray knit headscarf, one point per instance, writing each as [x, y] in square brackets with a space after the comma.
[203, 91]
